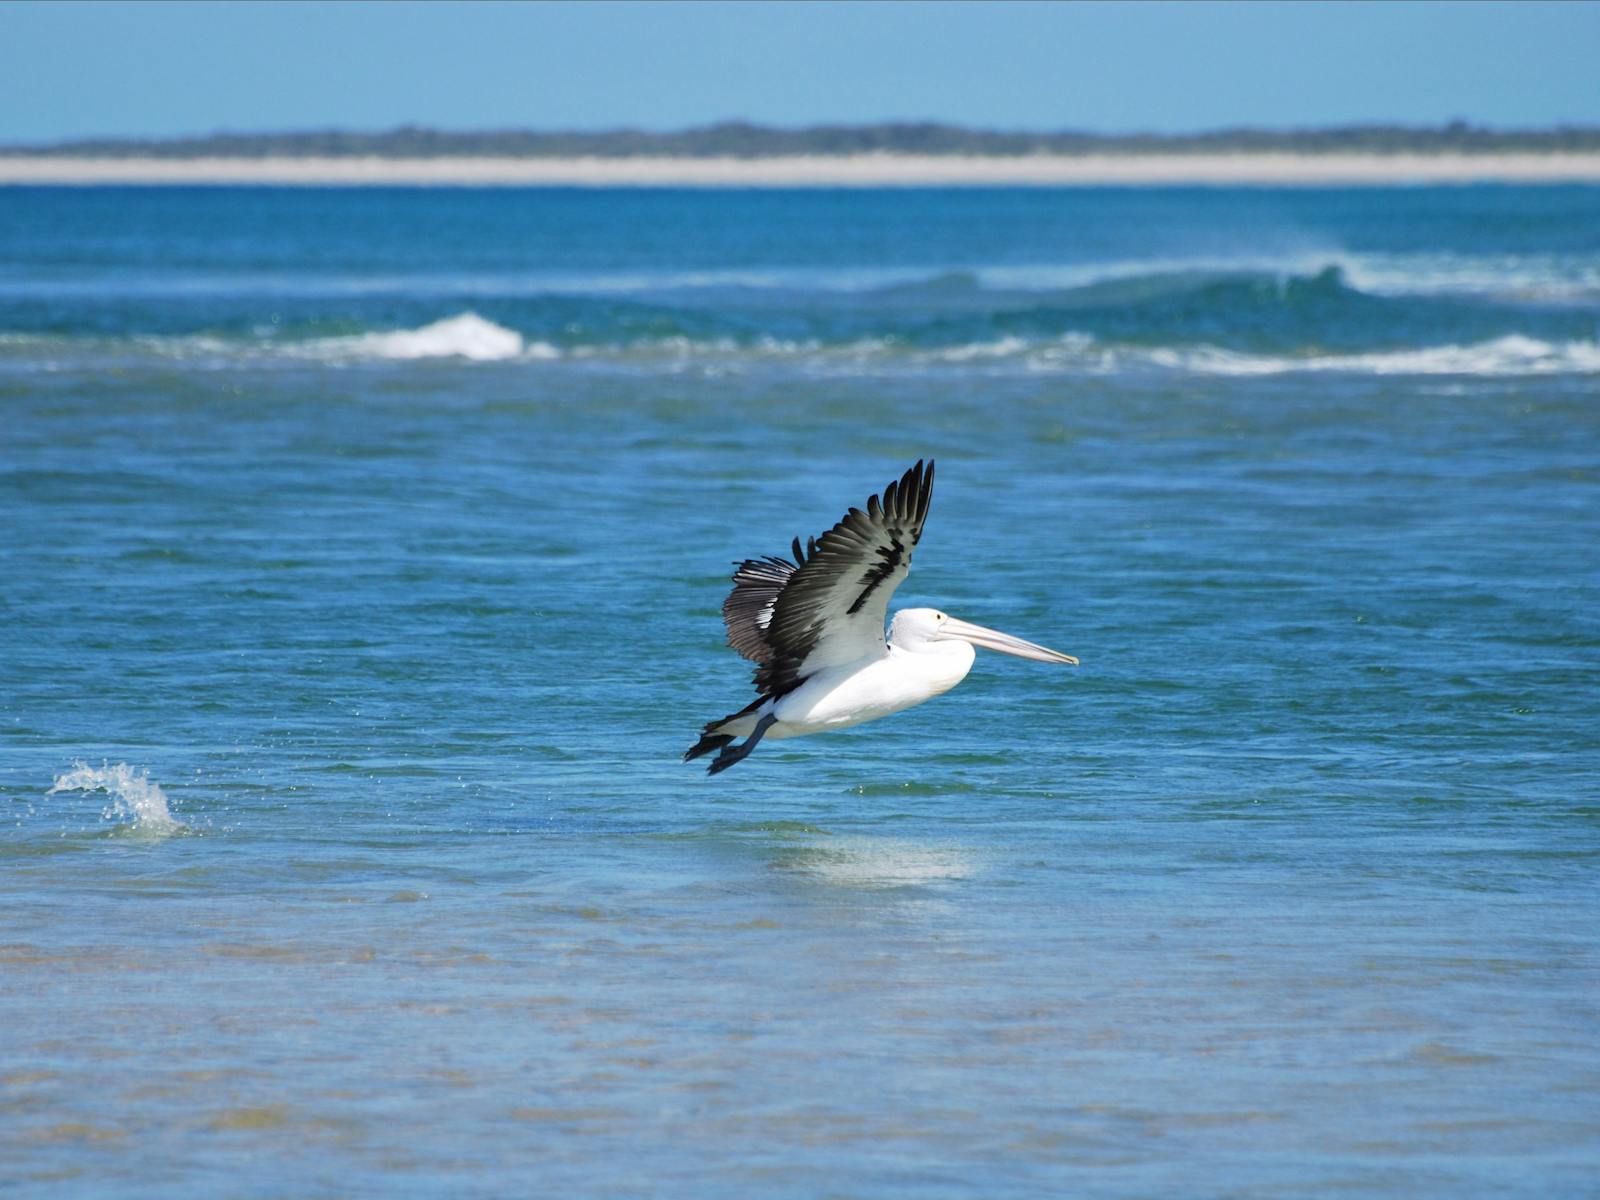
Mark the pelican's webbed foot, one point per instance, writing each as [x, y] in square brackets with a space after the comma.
[732, 754]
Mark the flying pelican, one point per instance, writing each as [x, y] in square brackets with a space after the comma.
[814, 628]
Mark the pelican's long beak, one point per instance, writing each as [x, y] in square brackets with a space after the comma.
[993, 639]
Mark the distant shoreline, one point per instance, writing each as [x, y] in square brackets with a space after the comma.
[858, 170]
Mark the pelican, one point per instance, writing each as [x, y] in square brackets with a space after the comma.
[813, 626]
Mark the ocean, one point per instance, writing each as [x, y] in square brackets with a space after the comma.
[360, 582]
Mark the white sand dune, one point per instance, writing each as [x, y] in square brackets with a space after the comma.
[867, 170]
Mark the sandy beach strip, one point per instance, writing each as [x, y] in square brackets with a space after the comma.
[869, 170]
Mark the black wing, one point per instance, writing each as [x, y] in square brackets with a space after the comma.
[828, 606]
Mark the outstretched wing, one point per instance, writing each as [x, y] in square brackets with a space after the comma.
[827, 607]
[757, 584]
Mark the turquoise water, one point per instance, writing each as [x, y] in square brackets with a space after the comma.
[362, 562]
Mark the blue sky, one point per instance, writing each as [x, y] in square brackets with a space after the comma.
[154, 69]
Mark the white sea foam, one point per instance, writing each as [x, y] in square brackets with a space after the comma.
[1513, 277]
[1503, 356]
[466, 335]
[1081, 353]
[1006, 347]
[134, 797]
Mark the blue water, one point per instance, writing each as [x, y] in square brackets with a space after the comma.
[359, 590]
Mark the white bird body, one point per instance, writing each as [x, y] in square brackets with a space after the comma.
[814, 627]
[839, 697]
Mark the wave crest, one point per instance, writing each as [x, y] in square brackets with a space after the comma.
[466, 335]
[1071, 342]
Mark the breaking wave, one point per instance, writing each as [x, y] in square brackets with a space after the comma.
[1513, 276]
[466, 335]
[1233, 321]
[1069, 353]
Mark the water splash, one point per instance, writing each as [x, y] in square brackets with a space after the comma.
[134, 797]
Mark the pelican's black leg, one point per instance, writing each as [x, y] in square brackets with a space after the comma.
[733, 754]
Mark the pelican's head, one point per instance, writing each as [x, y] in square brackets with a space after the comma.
[915, 627]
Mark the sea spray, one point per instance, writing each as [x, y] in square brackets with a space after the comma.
[134, 797]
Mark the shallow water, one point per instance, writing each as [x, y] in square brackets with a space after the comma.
[376, 540]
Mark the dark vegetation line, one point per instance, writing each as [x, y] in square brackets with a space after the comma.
[741, 140]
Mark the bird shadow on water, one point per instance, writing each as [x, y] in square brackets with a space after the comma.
[836, 862]
[867, 863]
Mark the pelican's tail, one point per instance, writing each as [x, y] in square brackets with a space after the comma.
[711, 739]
